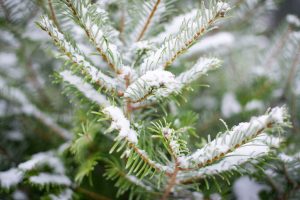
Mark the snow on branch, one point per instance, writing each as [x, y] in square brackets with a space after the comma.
[202, 66]
[75, 56]
[29, 109]
[190, 31]
[127, 134]
[120, 123]
[94, 21]
[50, 179]
[293, 20]
[10, 178]
[154, 84]
[86, 89]
[135, 180]
[43, 159]
[254, 149]
[14, 176]
[236, 137]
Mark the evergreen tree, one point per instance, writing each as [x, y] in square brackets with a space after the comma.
[133, 121]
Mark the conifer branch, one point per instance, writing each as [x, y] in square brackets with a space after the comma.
[239, 135]
[190, 31]
[76, 57]
[129, 136]
[145, 27]
[154, 84]
[252, 150]
[85, 88]
[92, 21]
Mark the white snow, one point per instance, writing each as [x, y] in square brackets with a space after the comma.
[287, 158]
[215, 196]
[202, 66]
[138, 182]
[293, 19]
[223, 7]
[41, 159]
[237, 135]
[46, 178]
[119, 122]
[254, 105]
[19, 195]
[127, 72]
[183, 161]
[278, 114]
[85, 88]
[15, 135]
[230, 105]
[245, 188]
[254, 149]
[157, 83]
[10, 178]
[197, 196]
[8, 60]
[65, 195]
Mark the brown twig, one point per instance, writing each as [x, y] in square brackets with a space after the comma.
[53, 16]
[275, 52]
[148, 20]
[293, 69]
[90, 194]
[122, 24]
[171, 183]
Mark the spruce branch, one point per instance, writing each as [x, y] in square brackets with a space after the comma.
[154, 84]
[75, 56]
[85, 88]
[129, 136]
[190, 31]
[202, 66]
[239, 135]
[252, 150]
[139, 188]
[94, 23]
